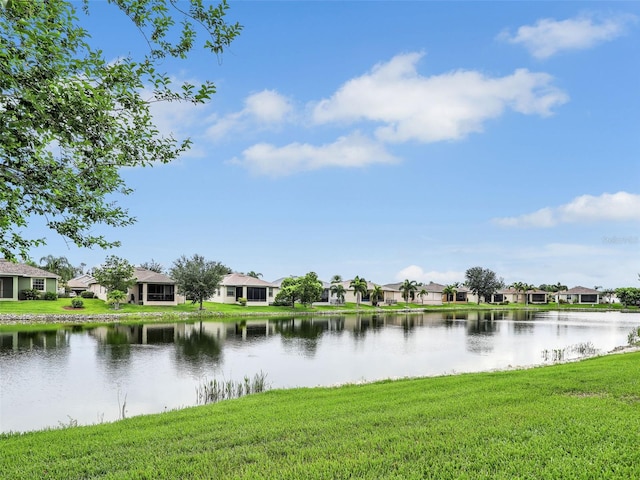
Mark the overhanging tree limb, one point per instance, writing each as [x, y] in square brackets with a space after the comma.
[70, 119]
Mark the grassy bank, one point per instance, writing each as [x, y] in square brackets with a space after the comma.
[577, 420]
[99, 307]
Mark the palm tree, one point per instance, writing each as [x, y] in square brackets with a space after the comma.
[338, 291]
[254, 274]
[527, 287]
[376, 295]
[518, 287]
[359, 286]
[450, 291]
[58, 265]
[408, 289]
[336, 279]
[422, 294]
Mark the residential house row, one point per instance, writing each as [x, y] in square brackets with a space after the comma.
[152, 288]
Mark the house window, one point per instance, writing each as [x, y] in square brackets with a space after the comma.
[270, 292]
[231, 291]
[38, 284]
[589, 298]
[160, 293]
[461, 296]
[498, 297]
[256, 294]
[538, 297]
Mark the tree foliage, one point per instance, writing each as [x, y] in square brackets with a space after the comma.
[115, 274]
[360, 288]
[196, 278]
[376, 295]
[288, 293]
[60, 266]
[629, 296]
[153, 266]
[408, 289]
[71, 118]
[482, 282]
[306, 290]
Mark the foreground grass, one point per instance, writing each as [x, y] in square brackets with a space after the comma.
[577, 420]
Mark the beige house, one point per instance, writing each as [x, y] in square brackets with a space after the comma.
[237, 285]
[151, 288]
[15, 277]
[80, 283]
[579, 295]
[511, 295]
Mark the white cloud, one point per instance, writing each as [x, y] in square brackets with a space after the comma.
[621, 206]
[549, 36]
[414, 272]
[441, 107]
[350, 151]
[263, 109]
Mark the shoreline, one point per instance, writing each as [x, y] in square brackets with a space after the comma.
[8, 319]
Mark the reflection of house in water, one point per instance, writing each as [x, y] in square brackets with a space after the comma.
[47, 340]
[149, 334]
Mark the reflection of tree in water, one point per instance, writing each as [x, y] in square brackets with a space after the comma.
[301, 335]
[479, 333]
[114, 347]
[362, 324]
[198, 348]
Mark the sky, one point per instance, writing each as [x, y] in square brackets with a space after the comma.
[398, 140]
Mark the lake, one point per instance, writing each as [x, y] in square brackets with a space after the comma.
[87, 375]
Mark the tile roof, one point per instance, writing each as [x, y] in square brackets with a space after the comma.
[239, 279]
[581, 291]
[22, 270]
[148, 276]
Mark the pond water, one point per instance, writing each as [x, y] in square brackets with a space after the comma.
[87, 375]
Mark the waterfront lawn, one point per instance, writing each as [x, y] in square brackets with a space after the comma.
[570, 421]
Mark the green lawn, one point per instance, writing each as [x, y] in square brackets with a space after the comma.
[572, 421]
[96, 307]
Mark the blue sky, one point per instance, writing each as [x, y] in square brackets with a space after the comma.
[396, 140]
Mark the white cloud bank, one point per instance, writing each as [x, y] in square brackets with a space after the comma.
[414, 272]
[548, 36]
[620, 206]
[350, 151]
[442, 107]
[264, 109]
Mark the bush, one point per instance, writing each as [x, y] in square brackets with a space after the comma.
[29, 294]
[87, 294]
[50, 296]
[77, 303]
[242, 301]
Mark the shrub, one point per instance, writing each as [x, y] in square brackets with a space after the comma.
[30, 294]
[77, 303]
[87, 294]
[50, 296]
[242, 301]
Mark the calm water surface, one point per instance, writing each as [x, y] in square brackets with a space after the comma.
[87, 374]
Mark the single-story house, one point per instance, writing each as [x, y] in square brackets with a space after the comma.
[80, 283]
[234, 286]
[151, 288]
[579, 295]
[390, 295]
[15, 277]
[511, 295]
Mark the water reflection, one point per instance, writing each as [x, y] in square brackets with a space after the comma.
[79, 371]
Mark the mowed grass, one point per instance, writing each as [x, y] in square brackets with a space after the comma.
[571, 421]
[98, 307]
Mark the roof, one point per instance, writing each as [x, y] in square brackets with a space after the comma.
[81, 281]
[581, 291]
[239, 279]
[148, 276]
[23, 270]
